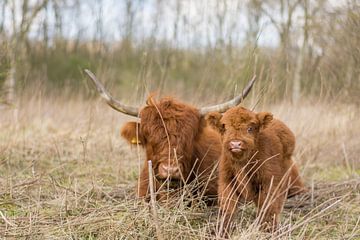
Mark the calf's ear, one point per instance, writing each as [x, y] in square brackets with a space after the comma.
[213, 119]
[132, 133]
[264, 118]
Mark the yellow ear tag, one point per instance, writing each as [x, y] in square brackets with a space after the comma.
[135, 141]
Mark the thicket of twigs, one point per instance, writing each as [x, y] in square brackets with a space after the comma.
[297, 48]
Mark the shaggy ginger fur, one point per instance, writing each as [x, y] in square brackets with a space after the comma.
[169, 126]
[255, 164]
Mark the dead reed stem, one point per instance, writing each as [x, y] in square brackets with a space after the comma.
[153, 202]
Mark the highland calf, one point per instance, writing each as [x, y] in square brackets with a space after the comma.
[255, 165]
[176, 138]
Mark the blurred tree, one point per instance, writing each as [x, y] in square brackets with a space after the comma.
[20, 24]
[254, 15]
[281, 14]
[296, 90]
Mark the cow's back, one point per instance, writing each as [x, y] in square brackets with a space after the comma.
[287, 139]
[284, 134]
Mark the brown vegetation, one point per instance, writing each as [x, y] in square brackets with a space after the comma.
[66, 173]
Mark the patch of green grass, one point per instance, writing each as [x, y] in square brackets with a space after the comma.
[333, 173]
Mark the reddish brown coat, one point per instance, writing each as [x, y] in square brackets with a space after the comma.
[180, 145]
[255, 164]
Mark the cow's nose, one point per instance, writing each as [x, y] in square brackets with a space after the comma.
[169, 171]
[236, 145]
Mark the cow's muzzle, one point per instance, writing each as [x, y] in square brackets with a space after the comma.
[168, 171]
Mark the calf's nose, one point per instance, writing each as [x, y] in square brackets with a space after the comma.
[169, 171]
[235, 144]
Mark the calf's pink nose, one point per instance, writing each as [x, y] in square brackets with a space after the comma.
[235, 144]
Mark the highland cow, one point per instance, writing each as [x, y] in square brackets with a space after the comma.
[183, 151]
[182, 148]
[255, 165]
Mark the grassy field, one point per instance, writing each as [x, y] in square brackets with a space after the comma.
[65, 173]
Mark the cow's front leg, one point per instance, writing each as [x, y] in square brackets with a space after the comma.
[143, 183]
[269, 205]
[228, 199]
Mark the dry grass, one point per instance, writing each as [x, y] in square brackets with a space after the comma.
[66, 174]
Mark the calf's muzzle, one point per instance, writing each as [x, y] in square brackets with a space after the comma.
[236, 146]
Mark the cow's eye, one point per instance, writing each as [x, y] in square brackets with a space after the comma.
[222, 130]
[250, 129]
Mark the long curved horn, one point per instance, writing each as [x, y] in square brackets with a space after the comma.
[115, 104]
[222, 107]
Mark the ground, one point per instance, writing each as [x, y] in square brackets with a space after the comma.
[65, 173]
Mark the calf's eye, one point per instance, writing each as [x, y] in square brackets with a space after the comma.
[250, 129]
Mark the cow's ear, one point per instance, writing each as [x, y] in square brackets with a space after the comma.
[132, 133]
[213, 119]
[264, 118]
